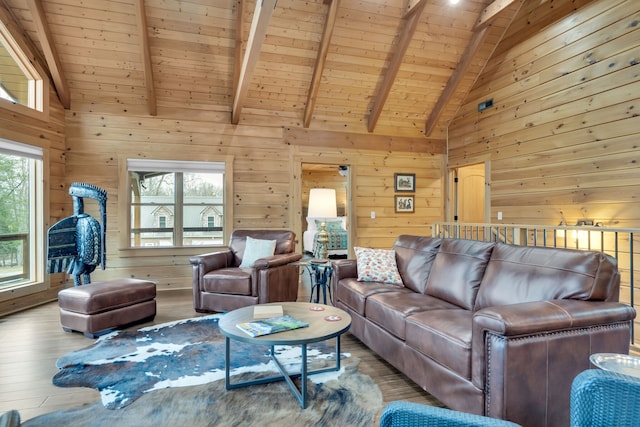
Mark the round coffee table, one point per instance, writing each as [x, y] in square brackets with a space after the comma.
[325, 322]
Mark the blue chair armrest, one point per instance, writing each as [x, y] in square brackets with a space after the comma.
[603, 398]
[408, 414]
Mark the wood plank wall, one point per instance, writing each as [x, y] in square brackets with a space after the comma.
[266, 194]
[562, 137]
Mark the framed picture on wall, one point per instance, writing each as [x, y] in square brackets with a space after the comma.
[405, 182]
[404, 203]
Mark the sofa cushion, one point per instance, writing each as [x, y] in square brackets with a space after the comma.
[377, 265]
[524, 274]
[414, 257]
[444, 336]
[234, 281]
[390, 309]
[457, 271]
[354, 294]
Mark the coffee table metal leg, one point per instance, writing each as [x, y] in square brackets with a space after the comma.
[300, 394]
[227, 362]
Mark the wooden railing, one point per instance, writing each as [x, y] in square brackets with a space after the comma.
[621, 243]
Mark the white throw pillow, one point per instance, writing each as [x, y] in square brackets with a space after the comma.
[377, 265]
[256, 249]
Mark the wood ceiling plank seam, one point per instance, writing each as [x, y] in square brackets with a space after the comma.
[408, 28]
[49, 49]
[547, 50]
[260, 22]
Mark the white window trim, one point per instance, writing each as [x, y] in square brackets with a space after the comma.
[36, 226]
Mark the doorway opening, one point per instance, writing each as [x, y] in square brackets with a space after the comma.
[332, 176]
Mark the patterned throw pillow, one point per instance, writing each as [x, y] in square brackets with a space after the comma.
[377, 265]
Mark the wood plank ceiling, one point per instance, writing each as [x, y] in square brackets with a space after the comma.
[393, 67]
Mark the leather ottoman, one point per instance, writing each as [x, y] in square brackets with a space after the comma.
[96, 308]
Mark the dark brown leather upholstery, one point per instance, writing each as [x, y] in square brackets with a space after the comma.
[220, 285]
[101, 306]
[492, 329]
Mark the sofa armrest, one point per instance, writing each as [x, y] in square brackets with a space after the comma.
[344, 268]
[545, 316]
[540, 347]
[276, 260]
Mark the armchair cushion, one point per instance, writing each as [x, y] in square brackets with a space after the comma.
[256, 249]
[228, 281]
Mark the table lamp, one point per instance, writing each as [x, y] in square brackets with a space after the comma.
[322, 204]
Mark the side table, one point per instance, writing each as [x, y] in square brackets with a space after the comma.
[621, 363]
[320, 275]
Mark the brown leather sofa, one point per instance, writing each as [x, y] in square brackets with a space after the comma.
[220, 284]
[489, 328]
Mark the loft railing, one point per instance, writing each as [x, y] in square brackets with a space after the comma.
[621, 243]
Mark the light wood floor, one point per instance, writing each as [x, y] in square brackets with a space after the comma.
[31, 342]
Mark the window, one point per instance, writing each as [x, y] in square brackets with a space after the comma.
[21, 246]
[20, 82]
[167, 200]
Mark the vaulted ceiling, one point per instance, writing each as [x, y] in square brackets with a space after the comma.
[394, 67]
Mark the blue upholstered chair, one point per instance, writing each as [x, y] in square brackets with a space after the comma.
[598, 399]
[408, 414]
[605, 399]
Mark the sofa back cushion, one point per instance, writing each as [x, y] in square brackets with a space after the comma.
[414, 257]
[518, 274]
[458, 270]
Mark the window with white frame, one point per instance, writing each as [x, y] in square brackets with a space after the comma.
[20, 82]
[167, 199]
[21, 246]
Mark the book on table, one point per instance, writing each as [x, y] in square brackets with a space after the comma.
[271, 326]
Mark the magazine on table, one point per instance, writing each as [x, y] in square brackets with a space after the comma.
[271, 326]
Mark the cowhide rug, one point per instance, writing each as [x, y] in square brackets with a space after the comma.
[173, 374]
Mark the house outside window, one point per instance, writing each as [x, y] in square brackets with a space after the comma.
[167, 201]
[21, 245]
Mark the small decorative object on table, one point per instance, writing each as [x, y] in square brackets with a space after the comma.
[272, 325]
[266, 311]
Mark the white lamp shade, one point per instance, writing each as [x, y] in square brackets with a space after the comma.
[322, 203]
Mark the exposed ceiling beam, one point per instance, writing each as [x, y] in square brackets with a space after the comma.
[261, 16]
[455, 79]
[487, 16]
[410, 19]
[239, 32]
[143, 34]
[491, 12]
[50, 52]
[320, 60]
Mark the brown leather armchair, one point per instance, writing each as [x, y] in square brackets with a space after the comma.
[220, 284]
